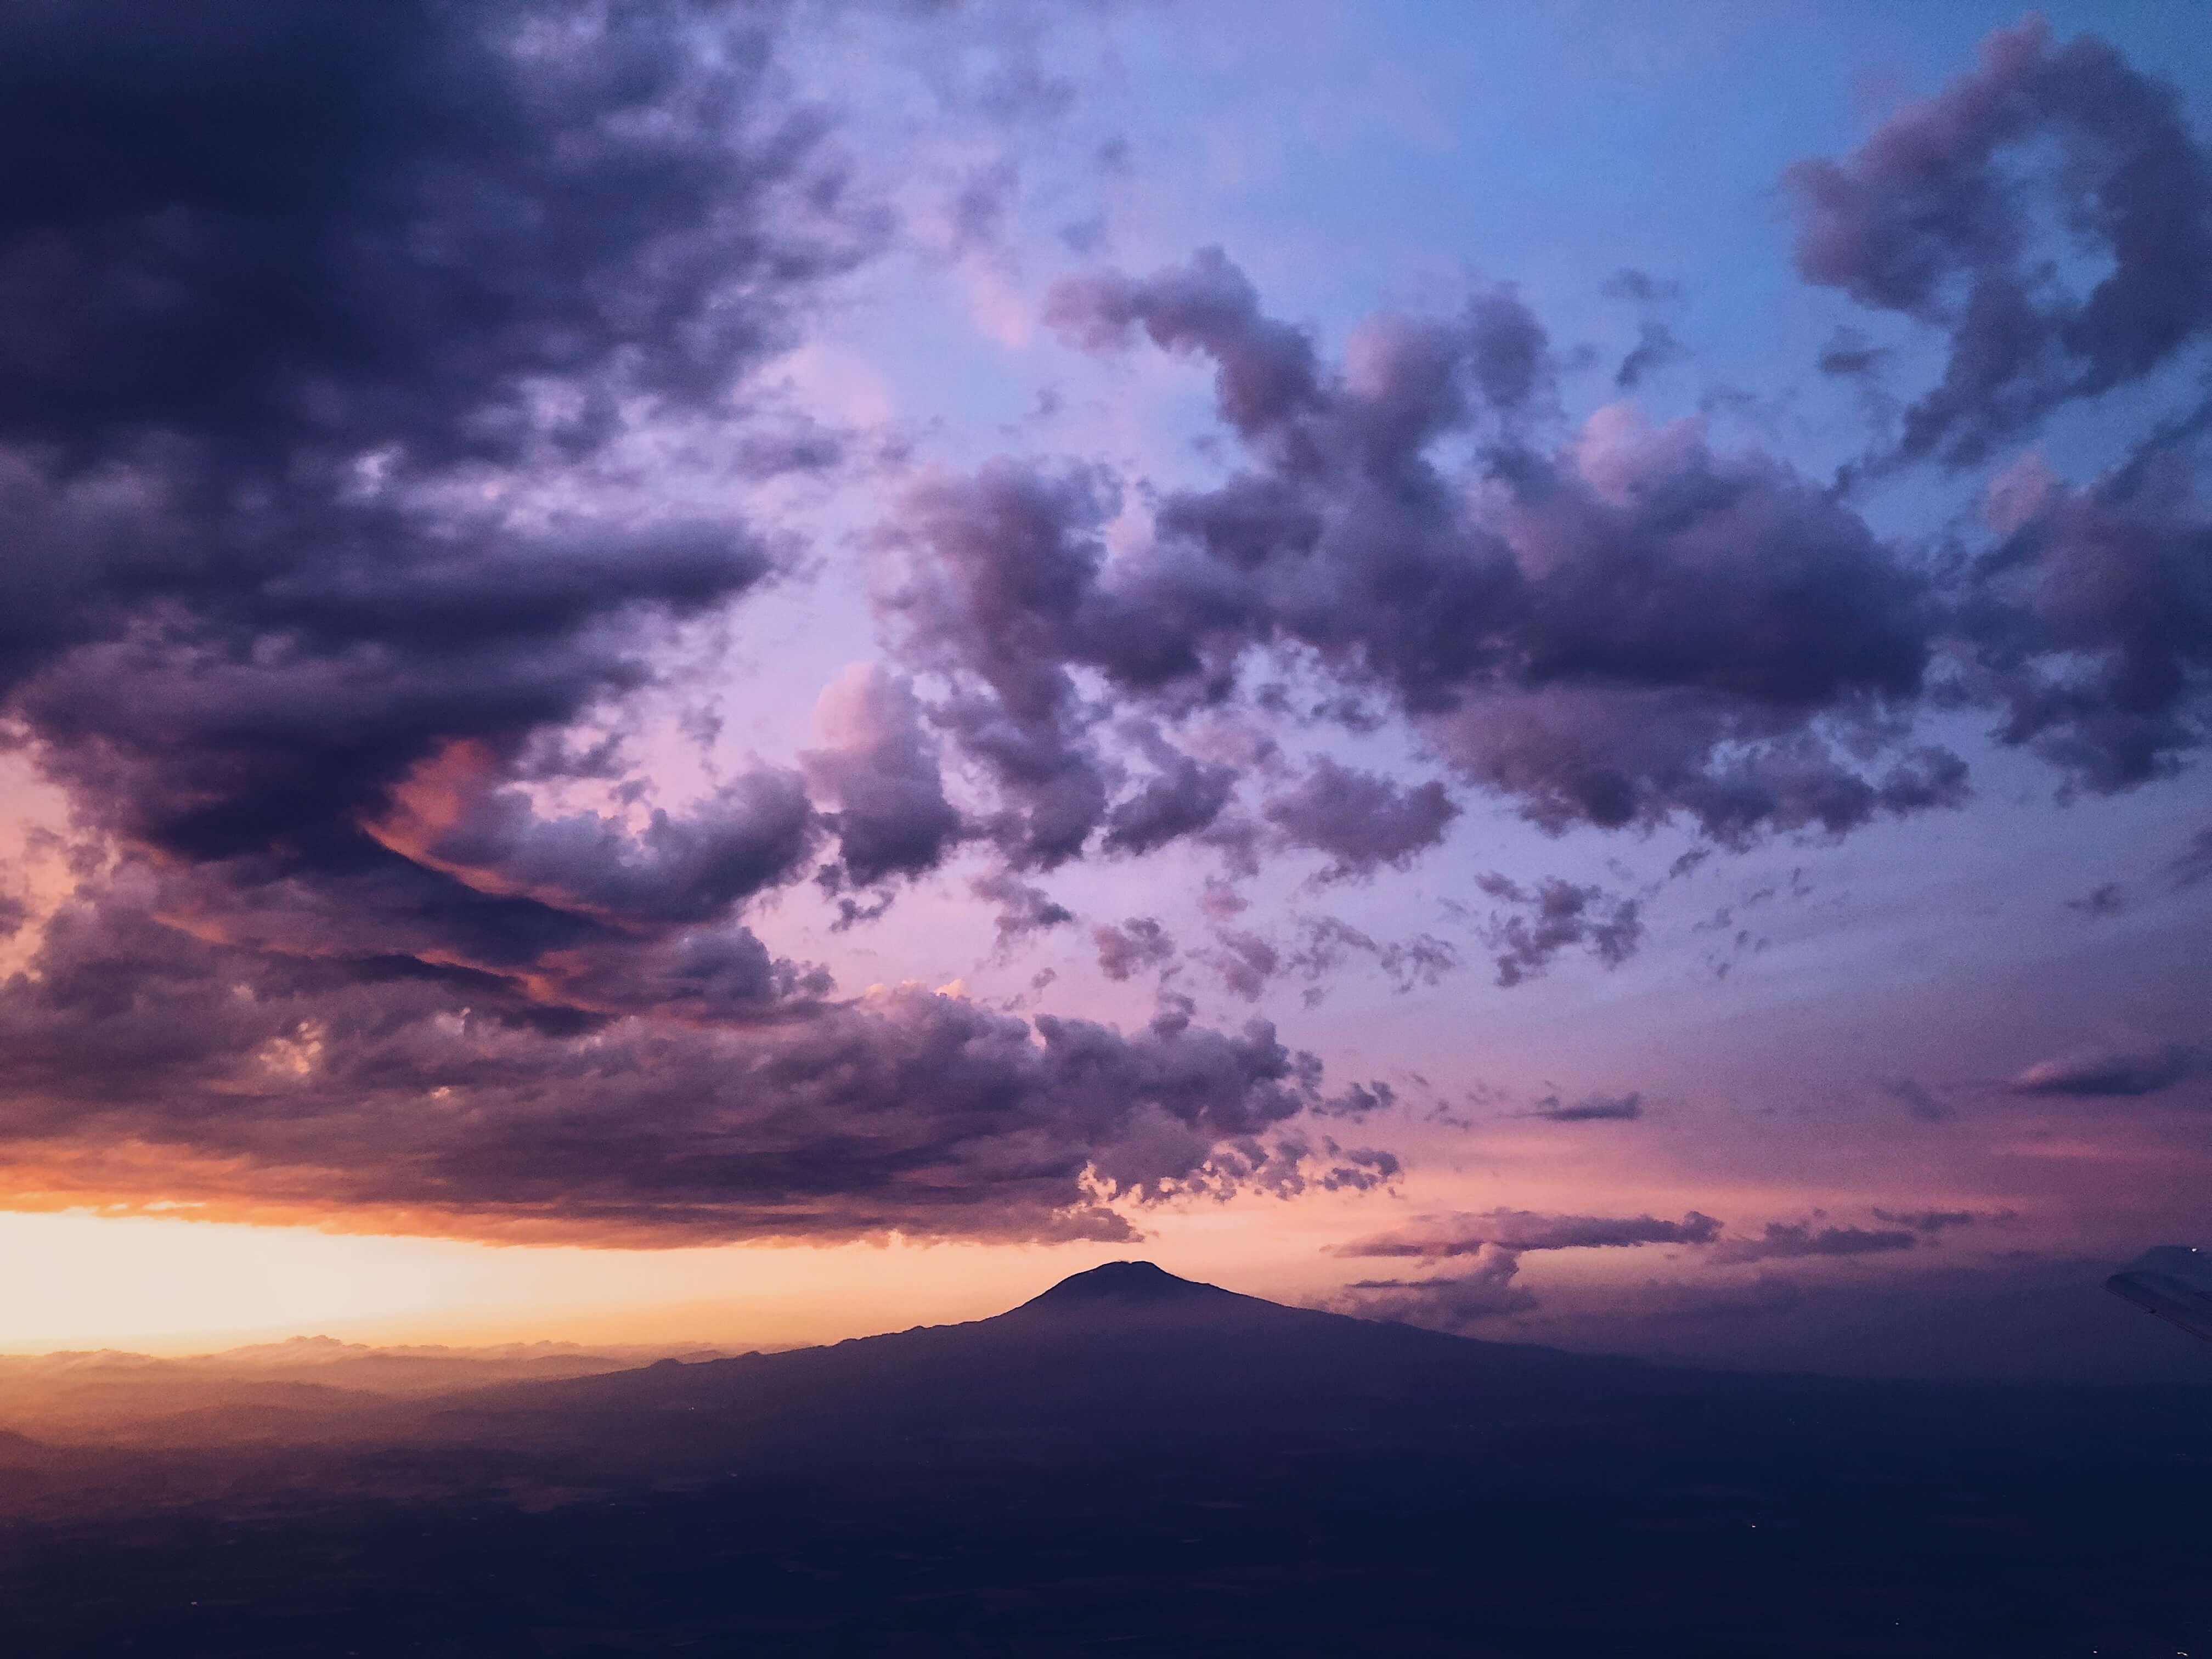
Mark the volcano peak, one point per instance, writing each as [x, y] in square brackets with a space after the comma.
[1124, 1285]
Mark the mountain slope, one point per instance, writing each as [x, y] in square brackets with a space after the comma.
[1133, 1463]
[1100, 1348]
[1128, 1357]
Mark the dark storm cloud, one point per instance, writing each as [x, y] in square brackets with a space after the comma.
[1591, 1109]
[1770, 623]
[1361, 820]
[281, 709]
[1936, 217]
[1553, 917]
[2109, 1072]
[332, 228]
[306, 305]
[1788, 1240]
[675, 870]
[328, 596]
[1526, 1229]
[421, 246]
[141, 1064]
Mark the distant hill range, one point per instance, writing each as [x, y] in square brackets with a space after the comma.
[266, 1390]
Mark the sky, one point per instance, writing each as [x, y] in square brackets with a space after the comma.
[750, 673]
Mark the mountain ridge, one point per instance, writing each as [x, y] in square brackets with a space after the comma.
[1125, 1349]
[1131, 1284]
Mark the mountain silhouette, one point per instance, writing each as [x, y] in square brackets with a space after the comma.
[1130, 1285]
[1130, 1358]
[1132, 1462]
[1127, 1362]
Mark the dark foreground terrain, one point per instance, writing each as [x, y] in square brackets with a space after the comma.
[1135, 1465]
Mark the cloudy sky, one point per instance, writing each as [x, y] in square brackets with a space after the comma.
[761, 671]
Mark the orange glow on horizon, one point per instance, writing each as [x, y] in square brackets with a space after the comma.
[161, 1284]
[153, 1282]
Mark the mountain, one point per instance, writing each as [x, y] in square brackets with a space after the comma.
[1130, 1462]
[1127, 1356]
[1121, 1349]
[1128, 1285]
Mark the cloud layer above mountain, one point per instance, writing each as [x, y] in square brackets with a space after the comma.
[401, 410]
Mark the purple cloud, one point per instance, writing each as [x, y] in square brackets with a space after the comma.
[1024, 909]
[1452, 1302]
[1929, 1221]
[1916, 1098]
[1936, 217]
[1361, 820]
[1524, 1230]
[879, 771]
[1783, 1241]
[1137, 943]
[414, 1099]
[1491, 1246]
[333, 599]
[2090, 627]
[1555, 916]
[2195, 864]
[1489, 619]
[1591, 1109]
[2095, 1073]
